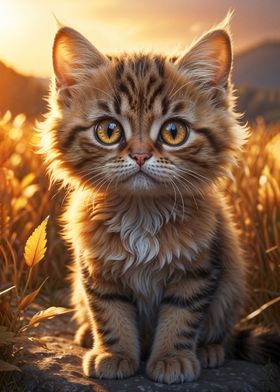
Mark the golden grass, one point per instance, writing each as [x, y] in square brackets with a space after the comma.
[25, 201]
[255, 197]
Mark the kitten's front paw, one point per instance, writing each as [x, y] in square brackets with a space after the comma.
[108, 365]
[174, 369]
[211, 355]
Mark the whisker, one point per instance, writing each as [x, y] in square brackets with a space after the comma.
[92, 175]
[189, 188]
[181, 196]
[179, 89]
[193, 185]
[194, 174]
[102, 91]
[99, 184]
[175, 197]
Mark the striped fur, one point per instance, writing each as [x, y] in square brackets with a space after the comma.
[158, 269]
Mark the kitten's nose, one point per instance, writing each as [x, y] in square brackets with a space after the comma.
[140, 158]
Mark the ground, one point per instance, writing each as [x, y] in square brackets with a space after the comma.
[58, 369]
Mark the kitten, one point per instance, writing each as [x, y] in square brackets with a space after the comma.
[142, 141]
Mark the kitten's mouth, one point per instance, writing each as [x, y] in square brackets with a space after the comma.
[143, 174]
[140, 180]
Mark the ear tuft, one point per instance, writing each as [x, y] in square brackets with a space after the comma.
[74, 56]
[209, 59]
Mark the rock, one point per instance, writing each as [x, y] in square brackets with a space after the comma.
[58, 369]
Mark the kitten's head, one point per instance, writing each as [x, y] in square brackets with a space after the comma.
[142, 123]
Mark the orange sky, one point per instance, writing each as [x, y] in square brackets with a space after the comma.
[27, 27]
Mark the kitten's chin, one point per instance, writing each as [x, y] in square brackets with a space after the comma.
[139, 183]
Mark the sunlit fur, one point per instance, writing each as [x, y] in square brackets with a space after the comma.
[158, 269]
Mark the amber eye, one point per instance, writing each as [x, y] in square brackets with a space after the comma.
[174, 132]
[108, 131]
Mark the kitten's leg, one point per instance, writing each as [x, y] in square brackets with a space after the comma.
[223, 313]
[116, 351]
[226, 308]
[83, 336]
[211, 355]
[173, 358]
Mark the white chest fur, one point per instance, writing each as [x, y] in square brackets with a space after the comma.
[135, 238]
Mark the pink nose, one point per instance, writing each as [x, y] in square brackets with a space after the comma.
[140, 158]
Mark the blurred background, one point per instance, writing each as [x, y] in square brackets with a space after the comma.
[27, 29]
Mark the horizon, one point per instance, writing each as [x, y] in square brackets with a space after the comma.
[122, 26]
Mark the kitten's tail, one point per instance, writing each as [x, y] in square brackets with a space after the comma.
[255, 344]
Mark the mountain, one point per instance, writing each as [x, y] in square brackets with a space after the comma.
[256, 74]
[258, 67]
[256, 102]
[21, 94]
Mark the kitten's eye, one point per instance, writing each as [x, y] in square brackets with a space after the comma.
[108, 131]
[174, 132]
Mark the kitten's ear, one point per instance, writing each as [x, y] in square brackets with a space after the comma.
[209, 59]
[73, 56]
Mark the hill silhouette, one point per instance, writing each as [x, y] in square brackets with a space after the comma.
[256, 74]
[21, 94]
[258, 67]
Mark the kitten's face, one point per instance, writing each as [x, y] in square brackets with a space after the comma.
[142, 123]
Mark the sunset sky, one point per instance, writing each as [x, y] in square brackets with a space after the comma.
[27, 27]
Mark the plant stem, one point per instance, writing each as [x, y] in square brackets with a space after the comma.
[14, 323]
[27, 282]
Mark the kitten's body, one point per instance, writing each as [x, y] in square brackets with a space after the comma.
[158, 267]
[145, 245]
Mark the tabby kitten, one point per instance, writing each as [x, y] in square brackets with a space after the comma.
[142, 142]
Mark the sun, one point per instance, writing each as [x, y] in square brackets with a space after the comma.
[9, 18]
[20, 46]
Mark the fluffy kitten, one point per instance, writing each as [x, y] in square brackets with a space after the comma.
[142, 141]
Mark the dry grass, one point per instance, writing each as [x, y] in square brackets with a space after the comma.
[25, 201]
[255, 197]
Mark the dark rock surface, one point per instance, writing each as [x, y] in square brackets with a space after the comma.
[58, 369]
